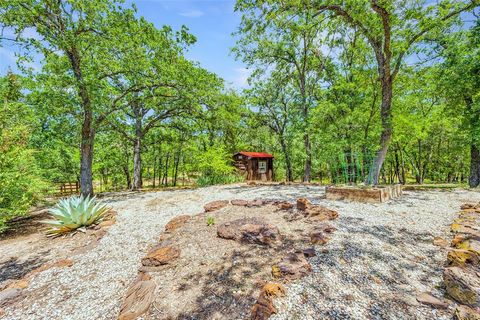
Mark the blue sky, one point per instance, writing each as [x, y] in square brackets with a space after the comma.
[211, 21]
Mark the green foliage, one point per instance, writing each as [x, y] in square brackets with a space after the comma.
[21, 184]
[210, 221]
[75, 212]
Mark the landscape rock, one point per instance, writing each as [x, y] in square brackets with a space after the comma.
[176, 223]
[467, 206]
[294, 266]
[240, 203]
[470, 245]
[138, 299]
[427, 298]
[309, 252]
[263, 308]
[321, 213]
[440, 242]
[303, 204]
[319, 235]
[161, 255]
[466, 313]
[8, 295]
[272, 289]
[215, 205]
[463, 285]
[249, 230]
[285, 206]
[460, 257]
[255, 203]
[457, 239]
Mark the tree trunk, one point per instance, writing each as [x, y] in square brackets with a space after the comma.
[474, 179]
[86, 156]
[387, 130]
[288, 162]
[88, 132]
[308, 161]
[137, 165]
[137, 149]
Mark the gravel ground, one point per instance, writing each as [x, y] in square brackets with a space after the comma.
[387, 241]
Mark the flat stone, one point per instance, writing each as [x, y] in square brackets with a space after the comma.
[8, 295]
[440, 242]
[255, 203]
[263, 307]
[161, 256]
[294, 266]
[462, 285]
[249, 230]
[241, 203]
[215, 205]
[321, 213]
[138, 299]
[427, 298]
[176, 223]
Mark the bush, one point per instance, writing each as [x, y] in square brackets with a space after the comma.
[204, 181]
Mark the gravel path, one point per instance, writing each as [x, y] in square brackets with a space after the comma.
[379, 240]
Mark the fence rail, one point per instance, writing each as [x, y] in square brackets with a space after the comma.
[67, 188]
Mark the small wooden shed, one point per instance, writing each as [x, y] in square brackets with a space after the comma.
[254, 165]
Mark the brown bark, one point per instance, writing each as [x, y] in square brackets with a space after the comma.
[88, 131]
[137, 148]
[474, 179]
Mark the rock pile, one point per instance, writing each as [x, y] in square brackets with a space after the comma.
[293, 265]
[462, 274]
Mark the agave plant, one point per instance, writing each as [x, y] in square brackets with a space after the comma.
[74, 213]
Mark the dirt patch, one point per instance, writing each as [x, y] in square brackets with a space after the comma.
[216, 278]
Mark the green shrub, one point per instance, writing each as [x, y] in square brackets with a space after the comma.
[210, 221]
[74, 213]
[211, 180]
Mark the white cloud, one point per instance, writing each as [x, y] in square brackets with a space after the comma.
[192, 13]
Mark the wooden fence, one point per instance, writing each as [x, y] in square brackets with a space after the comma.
[67, 188]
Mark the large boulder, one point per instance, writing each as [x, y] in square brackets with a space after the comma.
[161, 255]
[215, 205]
[176, 223]
[249, 230]
[463, 285]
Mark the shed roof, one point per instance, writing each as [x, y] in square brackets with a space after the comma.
[255, 154]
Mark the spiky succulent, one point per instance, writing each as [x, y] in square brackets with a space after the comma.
[74, 213]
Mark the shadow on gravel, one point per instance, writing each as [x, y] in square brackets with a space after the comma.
[13, 269]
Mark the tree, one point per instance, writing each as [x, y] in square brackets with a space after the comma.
[272, 101]
[460, 74]
[291, 48]
[75, 38]
[20, 178]
[391, 27]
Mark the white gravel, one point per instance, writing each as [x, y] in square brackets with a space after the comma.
[371, 240]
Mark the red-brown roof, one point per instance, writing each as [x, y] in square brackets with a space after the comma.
[255, 154]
